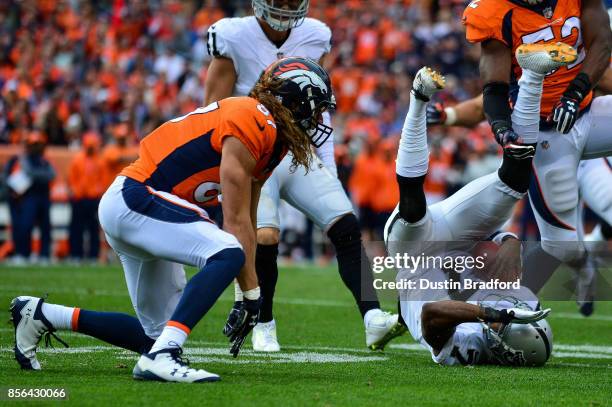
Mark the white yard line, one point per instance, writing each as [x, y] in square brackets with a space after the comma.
[576, 315]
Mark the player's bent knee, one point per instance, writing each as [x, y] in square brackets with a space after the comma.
[565, 251]
[345, 230]
[268, 236]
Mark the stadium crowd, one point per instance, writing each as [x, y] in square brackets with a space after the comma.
[95, 77]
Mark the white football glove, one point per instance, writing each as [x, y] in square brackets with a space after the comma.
[523, 316]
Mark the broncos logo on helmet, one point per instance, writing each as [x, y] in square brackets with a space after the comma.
[305, 89]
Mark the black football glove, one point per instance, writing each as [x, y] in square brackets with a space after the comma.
[436, 114]
[565, 112]
[240, 322]
[512, 143]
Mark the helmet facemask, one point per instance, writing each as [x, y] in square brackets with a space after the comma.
[500, 352]
[311, 120]
[281, 18]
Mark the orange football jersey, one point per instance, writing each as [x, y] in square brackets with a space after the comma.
[514, 24]
[183, 155]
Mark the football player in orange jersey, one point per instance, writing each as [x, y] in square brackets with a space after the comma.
[153, 219]
[572, 122]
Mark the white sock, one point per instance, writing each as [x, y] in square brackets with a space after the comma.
[413, 154]
[370, 314]
[526, 113]
[59, 316]
[170, 337]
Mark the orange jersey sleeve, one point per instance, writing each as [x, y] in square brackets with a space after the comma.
[484, 20]
[248, 121]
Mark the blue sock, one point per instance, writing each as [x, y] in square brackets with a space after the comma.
[202, 291]
[118, 329]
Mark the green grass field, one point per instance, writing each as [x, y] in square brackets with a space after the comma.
[323, 362]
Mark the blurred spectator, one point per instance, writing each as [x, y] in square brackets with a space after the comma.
[387, 192]
[119, 154]
[363, 188]
[28, 177]
[88, 180]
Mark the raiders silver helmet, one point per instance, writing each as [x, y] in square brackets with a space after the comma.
[281, 15]
[520, 344]
[517, 344]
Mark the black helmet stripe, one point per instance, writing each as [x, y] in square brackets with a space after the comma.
[544, 338]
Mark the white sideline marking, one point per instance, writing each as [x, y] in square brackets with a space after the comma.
[583, 348]
[579, 355]
[219, 352]
[569, 315]
[590, 365]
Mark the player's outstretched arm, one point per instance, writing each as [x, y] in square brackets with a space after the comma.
[220, 80]
[439, 319]
[465, 114]
[237, 165]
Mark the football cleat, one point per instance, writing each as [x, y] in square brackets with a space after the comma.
[426, 83]
[30, 326]
[545, 58]
[264, 337]
[381, 329]
[167, 365]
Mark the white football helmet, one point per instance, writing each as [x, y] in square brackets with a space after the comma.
[519, 344]
[281, 15]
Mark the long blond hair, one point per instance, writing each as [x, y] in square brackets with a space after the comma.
[288, 132]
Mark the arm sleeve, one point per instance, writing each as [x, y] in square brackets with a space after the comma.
[484, 21]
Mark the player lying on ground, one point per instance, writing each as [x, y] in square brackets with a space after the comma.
[241, 48]
[480, 208]
[152, 218]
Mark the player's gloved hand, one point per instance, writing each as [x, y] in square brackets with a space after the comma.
[241, 321]
[565, 112]
[515, 315]
[232, 318]
[511, 143]
[436, 114]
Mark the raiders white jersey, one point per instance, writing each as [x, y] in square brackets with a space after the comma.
[243, 41]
